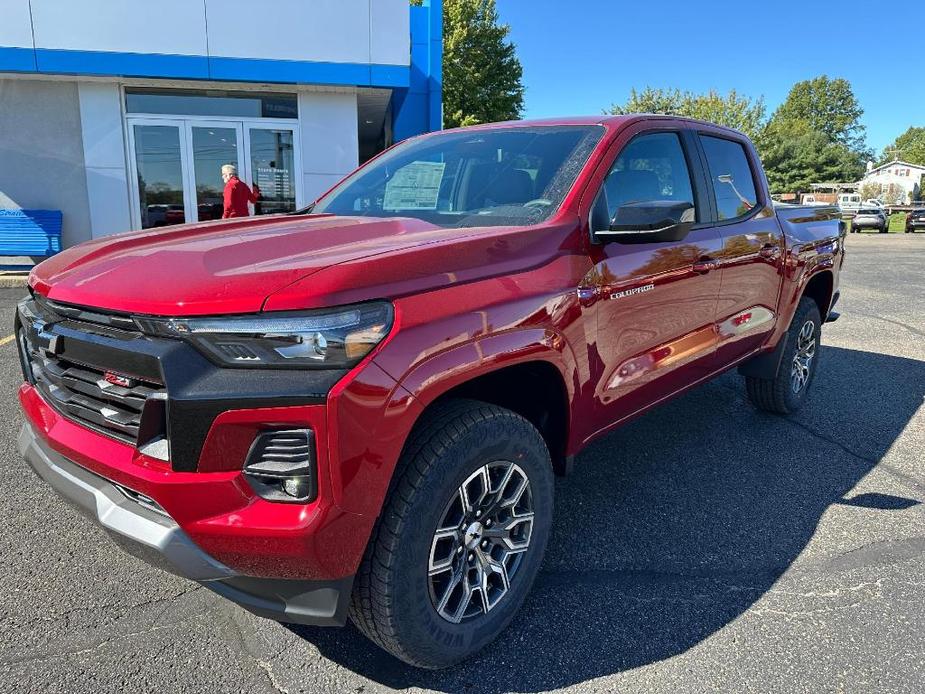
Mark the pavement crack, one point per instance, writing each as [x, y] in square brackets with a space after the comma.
[898, 323]
[877, 463]
[271, 676]
[67, 653]
[838, 444]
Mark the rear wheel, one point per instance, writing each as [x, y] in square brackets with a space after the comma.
[786, 392]
[461, 537]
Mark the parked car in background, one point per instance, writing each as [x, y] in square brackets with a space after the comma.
[873, 202]
[915, 220]
[870, 218]
[849, 202]
[358, 409]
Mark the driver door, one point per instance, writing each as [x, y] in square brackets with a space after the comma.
[656, 303]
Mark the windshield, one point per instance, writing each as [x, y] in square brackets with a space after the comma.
[512, 176]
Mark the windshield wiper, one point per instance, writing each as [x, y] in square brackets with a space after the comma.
[305, 210]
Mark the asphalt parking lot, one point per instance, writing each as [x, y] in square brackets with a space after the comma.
[704, 547]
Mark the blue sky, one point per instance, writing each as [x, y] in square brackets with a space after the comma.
[579, 56]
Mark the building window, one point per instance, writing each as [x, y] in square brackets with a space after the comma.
[211, 102]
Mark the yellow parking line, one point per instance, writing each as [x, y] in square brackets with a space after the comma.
[4, 340]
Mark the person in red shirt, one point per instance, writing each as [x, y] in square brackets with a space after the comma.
[237, 194]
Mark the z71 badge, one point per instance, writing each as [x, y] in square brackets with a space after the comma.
[635, 290]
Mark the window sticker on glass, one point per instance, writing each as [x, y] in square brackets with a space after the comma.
[415, 186]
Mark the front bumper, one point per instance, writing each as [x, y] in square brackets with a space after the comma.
[158, 539]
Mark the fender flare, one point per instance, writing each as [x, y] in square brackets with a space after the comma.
[441, 372]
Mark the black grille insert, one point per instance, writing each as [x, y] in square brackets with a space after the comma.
[119, 405]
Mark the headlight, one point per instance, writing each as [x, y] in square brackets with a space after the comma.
[329, 338]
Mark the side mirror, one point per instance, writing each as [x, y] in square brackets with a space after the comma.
[651, 221]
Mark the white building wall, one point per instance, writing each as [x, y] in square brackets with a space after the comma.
[329, 139]
[389, 19]
[321, 30]
[329, 31]
[104, 157]
[41, 154]
[15, 24]
[130, 26]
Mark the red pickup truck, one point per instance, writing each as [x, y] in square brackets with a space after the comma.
[358, 409]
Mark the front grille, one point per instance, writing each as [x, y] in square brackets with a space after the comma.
[123, 409]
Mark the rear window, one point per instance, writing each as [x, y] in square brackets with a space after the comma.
[734, 187]
[868, 210]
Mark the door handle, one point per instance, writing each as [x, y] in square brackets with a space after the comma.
[704, 265]
[770, 251]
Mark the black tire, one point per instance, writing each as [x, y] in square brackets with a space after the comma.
[778, 394]
[883, 230]
[392, 600]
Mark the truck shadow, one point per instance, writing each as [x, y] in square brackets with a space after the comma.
[676, 524]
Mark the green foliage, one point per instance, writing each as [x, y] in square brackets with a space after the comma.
[481, 72]
[869, 190]
[910, 147]
[815, 136]
[731, 110]
[795, 155]
[828, 106]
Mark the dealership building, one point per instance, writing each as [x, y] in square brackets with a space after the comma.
[121, 113]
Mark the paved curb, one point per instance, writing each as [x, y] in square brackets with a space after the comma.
[17, 280]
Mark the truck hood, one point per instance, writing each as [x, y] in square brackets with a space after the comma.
[217, 267]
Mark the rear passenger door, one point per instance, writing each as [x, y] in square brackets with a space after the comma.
[655, 302]
[751, 260]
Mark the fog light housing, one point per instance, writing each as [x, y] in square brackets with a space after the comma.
[280, 466]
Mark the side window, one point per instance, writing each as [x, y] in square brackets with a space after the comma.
[651, 167]
[733, 184]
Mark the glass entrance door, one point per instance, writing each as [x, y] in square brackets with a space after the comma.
[212, 146]
[160, 154]
[271, 164]
[178, 166]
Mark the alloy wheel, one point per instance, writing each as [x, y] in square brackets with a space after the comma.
[481, 540]
[802, 360]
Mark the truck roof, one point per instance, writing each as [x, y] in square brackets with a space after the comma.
[614, 121]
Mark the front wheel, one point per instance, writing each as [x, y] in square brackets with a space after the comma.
[786, 392]
[461, 537]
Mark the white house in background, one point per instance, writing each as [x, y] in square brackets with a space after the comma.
[900, 174]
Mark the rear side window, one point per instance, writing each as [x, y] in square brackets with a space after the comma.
[651, 167]
[733, 185]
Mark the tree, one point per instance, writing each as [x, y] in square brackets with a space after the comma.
[795, 156]
[893, 194]
[910, 147]
[481, 72]
[827, 106]
[731, 110]
[869, 190]
[815, 136]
